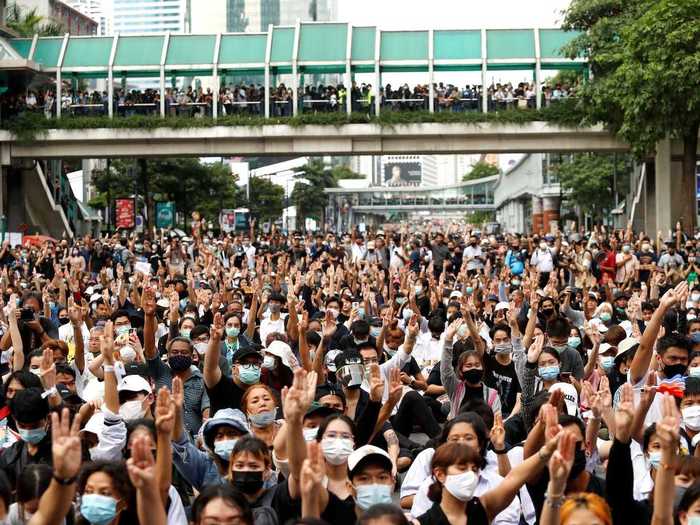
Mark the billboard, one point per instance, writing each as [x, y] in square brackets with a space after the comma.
[165, 214]
[125, 213]
[234, 220]
[403, 173]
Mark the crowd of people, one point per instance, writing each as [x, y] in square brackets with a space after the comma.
[249, 99]
[416, 374]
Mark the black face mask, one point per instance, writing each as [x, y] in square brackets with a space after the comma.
[473, 376]
[675, 370]
[248, 482]
[63, 320]
[179, 363]
[579, 463]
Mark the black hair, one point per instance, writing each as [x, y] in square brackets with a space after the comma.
[313, 338]
[24, 378]
[360, 328]
[198, 330]
[135, 424]
[255, 446]
[558, 327]
[225, 492]
[648, 432]
[566, 420]
[673, 340]
[120, 313]
[388, 512]
[690, 496]
[502, 327]
[33, 481]
[480, 407]
[28, 406]
[466, 355]
[65, 369]
[477, 424]
[117, 473]
[551, 351]
[332, 417]
[29, 294]
[692, 386]
[436, 324]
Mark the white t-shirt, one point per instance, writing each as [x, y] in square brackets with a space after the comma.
[473, 264]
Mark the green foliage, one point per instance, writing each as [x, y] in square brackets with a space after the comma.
[644, 56]
[345, 173]
[27, 23]
[481, 170]
[587, 181]
[28, 126]
[266, 200]
[479, 217]
[192, 185]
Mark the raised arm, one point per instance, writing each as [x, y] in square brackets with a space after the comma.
[447, 373]
[148, 304]
[15, 336]
[212, 372]
[146, 479]
[107, 351]
[75, 314]
[642, 358]
[165, 422]
[664, 489]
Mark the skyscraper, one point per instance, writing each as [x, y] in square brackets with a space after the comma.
[95, 9]
[256, 15]
[147, 16]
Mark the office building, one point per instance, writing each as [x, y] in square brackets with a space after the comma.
[55, 12]
[96, 10]
[147, 16]
[257, 15]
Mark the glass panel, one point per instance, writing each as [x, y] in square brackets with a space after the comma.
[83, 52]
[282, 44]
[363, 43]
[139, 51]
[408, 45]
[47, 51]
[242, 49]
[190, 49]
[451, 45]
[22, 46]
[552, 40]
[323, 42]
[510, 43]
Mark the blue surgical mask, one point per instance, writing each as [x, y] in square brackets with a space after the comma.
[694, 371]
[32, 435]
[607, 362]
[605, 317]
[695, 337]
[185, 332]
[549, 373]
[249, 374]
[232, 331]
[375, 494]
[374, 331]
[122, 330]
[263, 419]
[98, 509]
[224, 448]
[574, 341]
[407, 314]
[655, 459]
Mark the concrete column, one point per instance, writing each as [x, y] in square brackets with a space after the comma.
[537, 214]
[550, 213]
[664, 195]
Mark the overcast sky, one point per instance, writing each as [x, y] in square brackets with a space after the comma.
[452, 14]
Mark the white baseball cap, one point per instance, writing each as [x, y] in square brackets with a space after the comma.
[570, 396]
[134, 383]
[364, 452]
[503, 305]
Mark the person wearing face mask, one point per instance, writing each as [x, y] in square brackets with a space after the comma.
[275, 321]
[234, 337]
[690, 412]
[544, 258]
[32, 483]
[672, 352]
[543, 363]
[504, 364]
[455, 472]
[336, 436]
[466, 382]
[106, 494]
[220, 434]
[621, 363]
[225, 391]
[558, 330]
[279, 361]
[135, 398]
[30, 411]
[258, 402]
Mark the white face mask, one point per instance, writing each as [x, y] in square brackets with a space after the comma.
[691, 417]
[336, 450]
[462, 486]
[310, 434]
[132, 410]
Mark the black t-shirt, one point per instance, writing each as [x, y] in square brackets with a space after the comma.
[504, 379]
[472, 392]
[411, 368]
[339, 511]
[225, 394]
[474, 509]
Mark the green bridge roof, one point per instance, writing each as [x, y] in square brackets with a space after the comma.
[309, 47]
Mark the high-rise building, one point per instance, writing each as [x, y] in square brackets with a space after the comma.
[55, 12]
[96, 10]
[148, 16]
[257, 15]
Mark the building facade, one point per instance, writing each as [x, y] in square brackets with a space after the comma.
[257, 15]
[55, 12]
[148, 16]
[528, 195]
[96, 10]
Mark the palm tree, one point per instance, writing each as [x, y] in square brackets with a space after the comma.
[28, 23]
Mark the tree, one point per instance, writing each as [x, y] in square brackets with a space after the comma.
[643, 57]
[27, 23]
[480, 170]
[308, 195]
[189, 183]
[266, 199]
[589, 179]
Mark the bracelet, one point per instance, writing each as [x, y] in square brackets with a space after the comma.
[501, 452]
[51, 391]
[65, 481]
[108, 368]
[554, 500]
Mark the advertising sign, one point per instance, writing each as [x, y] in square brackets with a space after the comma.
[403, 173]
[165, 214]
[125, 216]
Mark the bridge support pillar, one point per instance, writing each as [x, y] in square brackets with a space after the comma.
[674, 198]
[536, 214]
[550, 212]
